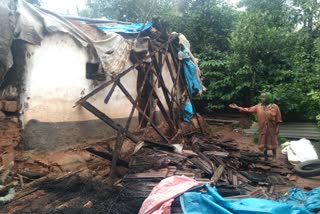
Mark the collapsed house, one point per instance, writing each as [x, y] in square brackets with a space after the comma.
[74, 80]
[69, 78]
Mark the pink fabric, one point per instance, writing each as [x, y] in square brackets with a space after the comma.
[160, 199]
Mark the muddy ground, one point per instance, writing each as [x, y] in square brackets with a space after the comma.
[76, 181]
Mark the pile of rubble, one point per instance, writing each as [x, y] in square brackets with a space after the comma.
[212, 159]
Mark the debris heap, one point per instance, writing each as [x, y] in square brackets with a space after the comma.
[213, 159]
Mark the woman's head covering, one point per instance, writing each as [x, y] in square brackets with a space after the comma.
[269, 98]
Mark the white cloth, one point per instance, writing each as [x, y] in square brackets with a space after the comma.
[299, 151]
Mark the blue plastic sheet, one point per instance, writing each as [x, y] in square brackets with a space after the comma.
[206, 199]
[309, 200]
[126, 28]
[188, 112]
[189, 70]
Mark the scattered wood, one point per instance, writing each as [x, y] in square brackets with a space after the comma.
[203, 165]
[291, 177]
[31, 175]
[261, 166]
[107, 156]
[260, 192]
[276, 180]
[6, 172]
[217, 153]
[213, 121]
[271, 190]
[217, 174]
[149, 175]
[234, 180]
[281, 171]
[239, 197]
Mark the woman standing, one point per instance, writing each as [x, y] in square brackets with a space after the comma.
[269, 119]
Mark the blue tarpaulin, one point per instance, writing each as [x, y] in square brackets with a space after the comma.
[188, 112]
[189, 70]
[309, 200]
[206, 199]
[126, 28]
[194, 85]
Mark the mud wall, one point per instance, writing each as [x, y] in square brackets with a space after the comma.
[54, 79]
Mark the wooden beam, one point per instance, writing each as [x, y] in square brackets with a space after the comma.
[148, 100]
[117, 149]
[169, 68]
[106, 100]
[106, 156]
[124, 90]
[151, 117]
[123, 73]
[159, 76]
[173, 56]
[108, 120]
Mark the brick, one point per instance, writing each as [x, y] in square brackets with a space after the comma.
[10, 106]
[2, 116]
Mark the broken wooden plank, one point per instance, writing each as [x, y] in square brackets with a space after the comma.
[166, 147]
[230, 176]
[242, 178]
[217, 153]
[202, 165]
[151, 174]
[238, 197]
[271, 190]
[107, 156]
[234, 180]
[261, 166]
[107, 120]
[276, 180]
[217, 174]
[187, 174]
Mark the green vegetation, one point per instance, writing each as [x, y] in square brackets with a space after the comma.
[268, 45]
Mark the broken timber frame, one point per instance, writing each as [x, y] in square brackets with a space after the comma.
[157, 62]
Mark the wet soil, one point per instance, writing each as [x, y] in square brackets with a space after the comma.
[75, 181]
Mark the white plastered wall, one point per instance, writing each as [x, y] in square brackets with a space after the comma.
[55, 79]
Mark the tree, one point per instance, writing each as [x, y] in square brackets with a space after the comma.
[127, 10]
[273, 45]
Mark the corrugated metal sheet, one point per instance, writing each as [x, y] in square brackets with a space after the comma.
[292, 130]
